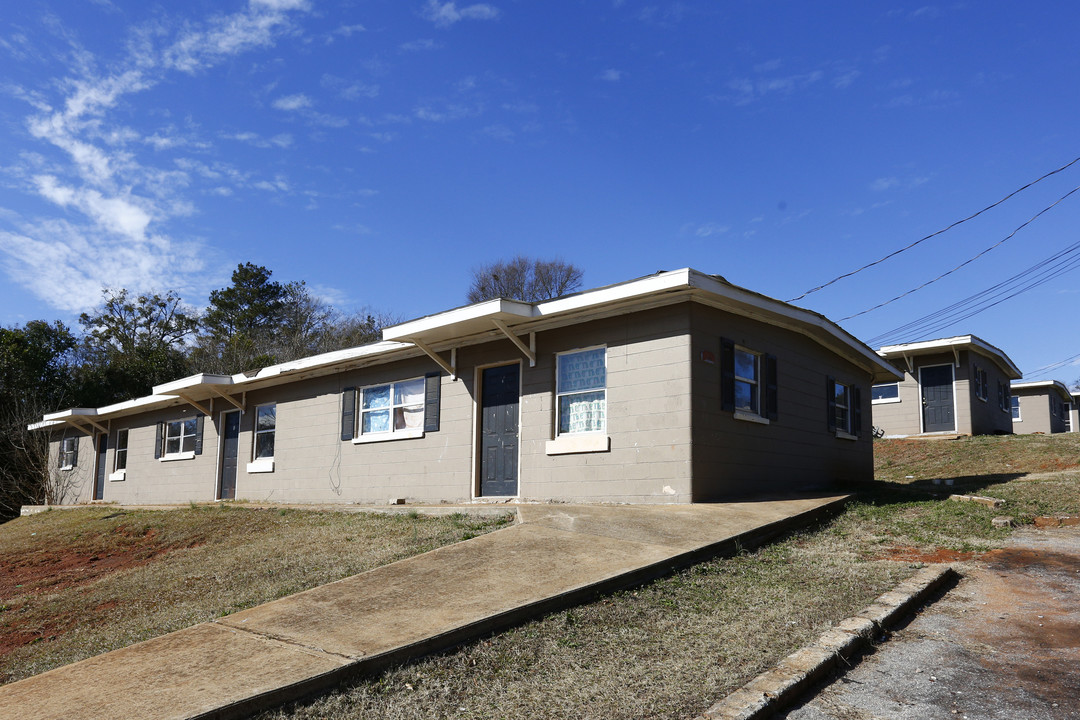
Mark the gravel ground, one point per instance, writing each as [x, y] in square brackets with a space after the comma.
[1003, 644]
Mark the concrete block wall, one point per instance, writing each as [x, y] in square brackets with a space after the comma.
[736, 458]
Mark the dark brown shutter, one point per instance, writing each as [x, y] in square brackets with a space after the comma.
[727, 374]
[771, 405]
[75, 453]
[158, 440]
[198, 434]
[348, 413]
[432, 385]
[830, 402]
[856, 409]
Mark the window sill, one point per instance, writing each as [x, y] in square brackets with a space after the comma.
[189, 455]
[841, 435]
[67, 468]
[118, 476]
[568, 444]
[262, 465]
[386, 437]
[750, 417]
[885, 401]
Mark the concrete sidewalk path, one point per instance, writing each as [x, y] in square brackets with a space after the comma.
[554, 557]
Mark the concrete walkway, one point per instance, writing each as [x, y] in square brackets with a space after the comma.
[556, 556]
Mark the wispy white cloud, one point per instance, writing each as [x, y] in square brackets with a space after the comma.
[420, 45]
[610, 75]
[281, 140]
[444, 14]
[292, 102]
[112, 205]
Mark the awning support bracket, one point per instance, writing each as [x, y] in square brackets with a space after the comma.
[194, 404]
[88, 431]
[528, 351]
[230, 399]
[450, 368]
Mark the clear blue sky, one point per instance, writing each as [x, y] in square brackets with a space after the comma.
[380, 149]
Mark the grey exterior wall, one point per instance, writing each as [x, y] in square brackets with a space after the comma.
[76, 484]
[737, 458]
[1035, 412]
[973, 415]
[666, 442]
[648, 422]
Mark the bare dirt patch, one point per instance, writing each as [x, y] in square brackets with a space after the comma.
[917, 555]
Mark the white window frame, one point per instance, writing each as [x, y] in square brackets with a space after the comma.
[1014, 404]
[265, 463]
[1066, 416]
[360, 437]
[560, 394]
[120, 451]
[754, 413]
[66, 453]
[885, 401]
[180, 454]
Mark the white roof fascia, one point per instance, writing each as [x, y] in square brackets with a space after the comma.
[44, 424]
[192, 381]
[952, 343]
[1062, 390]
[71, 413]
[319, 361]
[514, 309]
[661, 282]
[770, 308]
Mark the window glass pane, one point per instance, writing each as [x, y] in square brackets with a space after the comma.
[841, 395]
[408, 418]
[410, 392]
[376, 421]
[266, 417]
[190, 426]
[582, 412]
[1015, 407]
[172, 445]
[745, 396]
[842, 419]
[885, 392]
[264, 445]
[745, 365]
[189, 443]
[377, 397]
[585, 370]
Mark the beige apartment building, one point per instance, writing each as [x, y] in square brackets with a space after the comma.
[673, 388]
[957, 385]
[1043, 406]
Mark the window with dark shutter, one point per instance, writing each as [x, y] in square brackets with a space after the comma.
[830, 402]
[432, 388]
[159, 440]
[771, 404]
[348, 413]
[856, 410]
[198, 434]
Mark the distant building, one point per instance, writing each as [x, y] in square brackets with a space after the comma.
[957, 385]
[1041, 407]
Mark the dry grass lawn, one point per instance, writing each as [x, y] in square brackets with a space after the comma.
[666, 650]
[77, 583]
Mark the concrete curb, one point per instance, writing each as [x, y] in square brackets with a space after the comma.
[769, 692]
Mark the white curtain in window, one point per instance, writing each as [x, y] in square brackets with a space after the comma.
[583, 413]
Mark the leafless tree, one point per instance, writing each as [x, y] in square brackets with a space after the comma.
[523, 278]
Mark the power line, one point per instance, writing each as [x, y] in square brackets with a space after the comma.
[1028, 279]
[935, 234]
[1045, 369]
[1023, 225]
